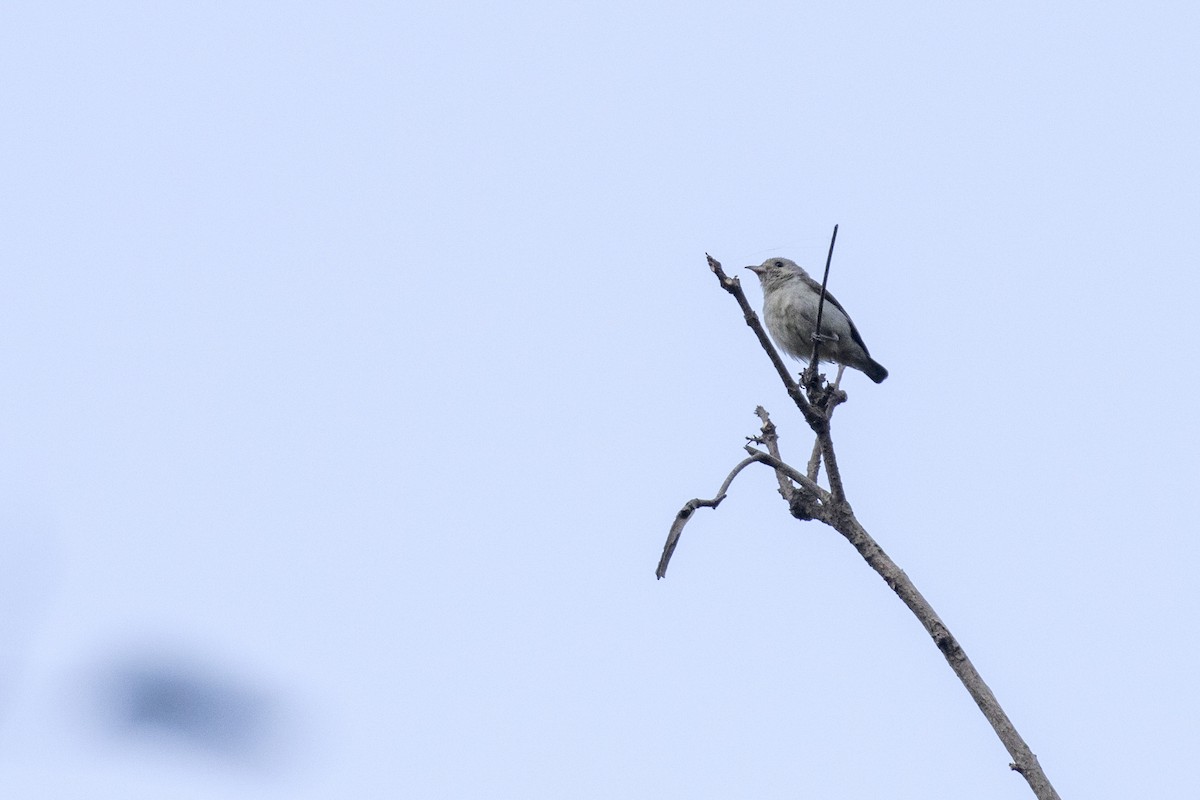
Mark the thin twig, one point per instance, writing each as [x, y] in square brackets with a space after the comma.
[688, 509]
[821, 303]
[770, 438]
[814, 461]
[834, 474]
[810, 490]
[836, 398]
[793, 473]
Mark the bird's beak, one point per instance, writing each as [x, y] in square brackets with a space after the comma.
[756, 270]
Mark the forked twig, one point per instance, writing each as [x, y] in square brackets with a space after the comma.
[808, 494]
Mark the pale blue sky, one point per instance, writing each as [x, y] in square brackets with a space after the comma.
[358, 355]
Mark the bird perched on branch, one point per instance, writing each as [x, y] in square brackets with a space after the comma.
[790, 299]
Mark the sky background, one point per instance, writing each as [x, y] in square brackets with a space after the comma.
[357, 356]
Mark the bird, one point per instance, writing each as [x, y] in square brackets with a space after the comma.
[790, 299]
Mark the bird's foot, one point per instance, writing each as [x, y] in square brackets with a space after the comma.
[813, 382]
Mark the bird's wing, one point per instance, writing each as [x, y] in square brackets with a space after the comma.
[854, 334]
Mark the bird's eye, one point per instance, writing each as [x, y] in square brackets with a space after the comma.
[779, 263]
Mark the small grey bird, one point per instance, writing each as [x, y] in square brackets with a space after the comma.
[790, 299]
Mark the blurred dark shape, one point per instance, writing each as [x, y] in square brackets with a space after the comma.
[160, 699]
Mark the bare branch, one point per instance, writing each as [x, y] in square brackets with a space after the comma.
[1024, 760]
[790, 471]
[831, 466]
[686, 512]
[814, 461]
[770, 438]
[810, 497]
[836, 398]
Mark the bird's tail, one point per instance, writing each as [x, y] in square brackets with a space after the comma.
[874, 370]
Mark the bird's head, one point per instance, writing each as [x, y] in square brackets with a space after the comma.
[775, 271]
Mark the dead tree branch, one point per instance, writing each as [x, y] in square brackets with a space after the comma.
[770, 438]
[808, 501]
[688, 509]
